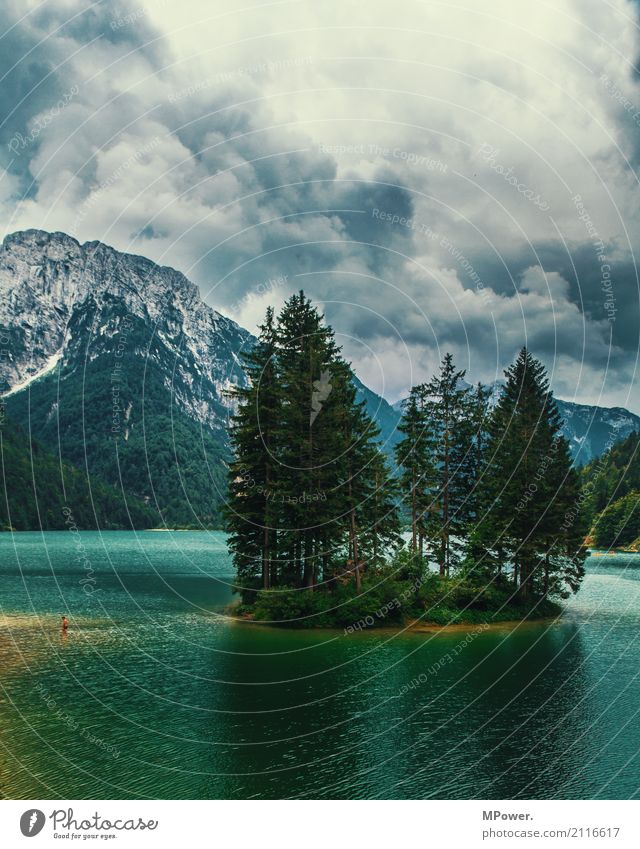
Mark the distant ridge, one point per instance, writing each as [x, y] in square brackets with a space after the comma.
[117, 365]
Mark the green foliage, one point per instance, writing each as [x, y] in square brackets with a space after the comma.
[41, 492]
[440, 462]
[612, 476]
[409, 565]
[250, 511]
[530, 492]
[416, 465]
[310, 494]
[381, 601]
[294, 607]
[619, 523]
[116, 418]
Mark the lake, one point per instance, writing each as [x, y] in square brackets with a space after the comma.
[154, 692]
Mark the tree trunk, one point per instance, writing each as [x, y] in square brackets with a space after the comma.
[325, 558]
[297, 559]
[414, 515]
[546, 574]
[266, 565]
[356, 559]
[525, 582]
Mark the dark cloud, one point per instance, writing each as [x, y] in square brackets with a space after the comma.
[274, 164]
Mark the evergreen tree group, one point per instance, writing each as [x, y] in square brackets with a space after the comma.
[488, 495]
[498, 491]
[311, 496]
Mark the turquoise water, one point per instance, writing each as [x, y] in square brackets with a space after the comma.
[154, 692]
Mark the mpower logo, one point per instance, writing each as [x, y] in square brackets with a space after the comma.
[32, 822]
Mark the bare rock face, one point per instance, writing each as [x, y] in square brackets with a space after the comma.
[62, 304]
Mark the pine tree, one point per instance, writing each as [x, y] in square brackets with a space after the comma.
[528, 485]
[252, 473]
[414, 458]
[373, 522]
[565, 521]
[311, 438]
[448, 408]
[476, 422]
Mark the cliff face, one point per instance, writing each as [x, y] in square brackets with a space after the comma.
[64, 304]
[118, 366]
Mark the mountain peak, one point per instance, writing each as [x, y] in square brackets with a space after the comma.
[50, 244]
[58, 297]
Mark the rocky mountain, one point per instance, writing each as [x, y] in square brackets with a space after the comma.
[66, 304]
[118, 366]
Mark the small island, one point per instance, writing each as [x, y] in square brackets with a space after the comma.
[474, 515]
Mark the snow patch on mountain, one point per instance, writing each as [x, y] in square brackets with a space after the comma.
[49, 366]
[63, 303]
[51, 284]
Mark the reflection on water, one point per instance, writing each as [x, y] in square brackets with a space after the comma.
[154, 692]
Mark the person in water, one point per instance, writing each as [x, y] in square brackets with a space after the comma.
[65, 624]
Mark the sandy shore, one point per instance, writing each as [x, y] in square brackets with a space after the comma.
[507, 625]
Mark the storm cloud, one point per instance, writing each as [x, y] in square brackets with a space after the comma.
[437, 178]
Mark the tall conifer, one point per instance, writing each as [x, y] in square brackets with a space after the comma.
[448, 406]
[253, 472]
[528, 485]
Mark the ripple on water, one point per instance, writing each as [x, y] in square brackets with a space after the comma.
[152, 693]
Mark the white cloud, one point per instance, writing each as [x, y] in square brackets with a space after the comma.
[245, 144]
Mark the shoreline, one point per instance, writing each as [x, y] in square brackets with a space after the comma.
[12, 621]
[408, 625]
[510, 624]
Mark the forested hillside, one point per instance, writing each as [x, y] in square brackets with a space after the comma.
[119, 417]
[611, 490]
[40, 492]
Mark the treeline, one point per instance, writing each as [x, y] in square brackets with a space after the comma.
[489, 496]
[494, 494]
[611, 495]
[40, 492]
[310, 495]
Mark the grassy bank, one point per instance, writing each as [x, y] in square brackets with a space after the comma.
[386, 599]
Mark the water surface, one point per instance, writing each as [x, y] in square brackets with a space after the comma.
[155, 692]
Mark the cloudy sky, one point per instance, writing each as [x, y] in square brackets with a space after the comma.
[439, 176]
